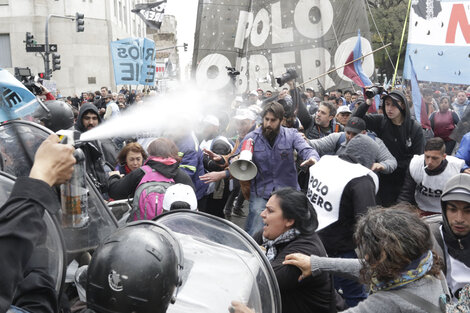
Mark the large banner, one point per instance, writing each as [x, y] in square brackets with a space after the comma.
[439, 41]
[134, 61]
[262, 38]
[16, 101]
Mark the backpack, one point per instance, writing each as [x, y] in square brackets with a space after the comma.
[149, 195]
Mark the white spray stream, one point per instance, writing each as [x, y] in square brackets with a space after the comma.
[182, 109]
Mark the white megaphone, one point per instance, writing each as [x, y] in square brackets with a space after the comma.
[243, 169]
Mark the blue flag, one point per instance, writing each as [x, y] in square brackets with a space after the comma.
[16, 100]
[134, 61]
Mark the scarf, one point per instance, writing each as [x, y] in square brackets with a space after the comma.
[416, 270]
[166, 161]
[270, 245]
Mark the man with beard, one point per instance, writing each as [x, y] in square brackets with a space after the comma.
[97, 152]
[273, 155]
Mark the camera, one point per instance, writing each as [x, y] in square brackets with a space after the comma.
[23, 74]
[373, 91]
[289, 75]
[232, 72]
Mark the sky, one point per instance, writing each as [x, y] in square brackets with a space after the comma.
[185, 12]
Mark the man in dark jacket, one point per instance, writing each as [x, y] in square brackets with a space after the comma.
[402, 135]
[341, 189]
[22, 228]
[97, 152]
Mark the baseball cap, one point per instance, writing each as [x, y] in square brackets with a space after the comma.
[355, 125]
[343, 109]
[245, 114]
[181, 193]
[457, 188]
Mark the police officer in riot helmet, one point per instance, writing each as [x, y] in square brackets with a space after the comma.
[136, 269]
[59, 115]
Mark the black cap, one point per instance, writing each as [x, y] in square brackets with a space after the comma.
[355, 125]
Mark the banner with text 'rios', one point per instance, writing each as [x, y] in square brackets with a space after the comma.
[262, 38]
[439, 41]
[134, 61]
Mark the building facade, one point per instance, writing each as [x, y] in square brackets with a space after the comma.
[86, 62]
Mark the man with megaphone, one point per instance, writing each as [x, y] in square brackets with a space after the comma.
[267, 159]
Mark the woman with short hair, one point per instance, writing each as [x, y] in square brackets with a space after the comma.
[398, 264]
[289, 227]
[130, 158]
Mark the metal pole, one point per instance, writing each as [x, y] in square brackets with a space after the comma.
[46, 53]
[337, 68]
[48, 72]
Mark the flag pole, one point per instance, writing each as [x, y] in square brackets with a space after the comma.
[340, 67]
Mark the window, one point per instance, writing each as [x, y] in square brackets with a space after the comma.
[115, 8]
[5, 50]
[3, 2]
[91, 80]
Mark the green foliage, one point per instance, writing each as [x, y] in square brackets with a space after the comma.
[390, 18]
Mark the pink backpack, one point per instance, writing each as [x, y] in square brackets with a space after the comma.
[148, 197]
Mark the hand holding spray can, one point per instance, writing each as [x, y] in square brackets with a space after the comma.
[74, 194]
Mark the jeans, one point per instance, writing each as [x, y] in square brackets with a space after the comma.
[254, 222]
[353, 292]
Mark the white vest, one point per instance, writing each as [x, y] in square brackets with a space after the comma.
[429, 188]
[458, 274]
[328, 178]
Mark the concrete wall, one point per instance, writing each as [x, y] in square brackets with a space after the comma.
[83, 55]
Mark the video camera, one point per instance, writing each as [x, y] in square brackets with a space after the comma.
[232, 72]
[23, 74]
[373, 91]
[289, 75]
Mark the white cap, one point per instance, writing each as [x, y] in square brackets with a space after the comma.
[180, 192]
[211, 119]
[245, 114]
[254, 93]
[343, 109]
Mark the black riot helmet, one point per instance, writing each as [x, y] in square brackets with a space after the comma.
[136, 269]
[60, 115]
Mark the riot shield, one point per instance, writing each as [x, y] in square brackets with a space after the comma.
[19, 141]
[54, 245]
[222, 263]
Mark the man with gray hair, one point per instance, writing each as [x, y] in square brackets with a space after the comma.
[335, 144]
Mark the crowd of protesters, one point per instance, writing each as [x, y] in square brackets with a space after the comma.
[323, 163]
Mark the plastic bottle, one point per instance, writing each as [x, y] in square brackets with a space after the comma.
[74, 195]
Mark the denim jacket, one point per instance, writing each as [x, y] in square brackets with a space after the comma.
[276, 165]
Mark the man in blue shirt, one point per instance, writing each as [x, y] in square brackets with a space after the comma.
[273, 155]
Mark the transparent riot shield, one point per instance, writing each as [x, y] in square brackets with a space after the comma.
[19, 141]
[222, 263]
[54, 247]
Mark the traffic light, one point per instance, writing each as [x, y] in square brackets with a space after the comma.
[55, 62]
[29, 39]
[185, 46]
[42, 75]
[80, 22]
